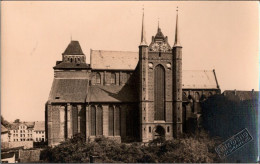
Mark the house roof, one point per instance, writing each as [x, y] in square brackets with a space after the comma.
[69, 65]
[113, 60]
[111, 93]
[29, 125]
[39, 126]
[242, 95]
[3, 129]
[68, 90]
[73, 48]
[199, 79]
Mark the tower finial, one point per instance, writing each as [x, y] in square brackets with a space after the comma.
[143, 39]
[177, 37]
[158, 22]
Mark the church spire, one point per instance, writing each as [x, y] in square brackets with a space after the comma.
[143, 38]
[177, 35]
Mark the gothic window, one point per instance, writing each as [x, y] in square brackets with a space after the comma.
[197, 96]
[117, 121]
[71, 60]
[98, 78]
[159, 92]
[93, 120]
[111, 121]
[99, 120]
[113, 78]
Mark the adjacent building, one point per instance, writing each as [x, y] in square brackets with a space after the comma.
[27, 131]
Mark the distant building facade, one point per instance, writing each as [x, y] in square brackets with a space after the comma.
[27, 131]
[126, 95]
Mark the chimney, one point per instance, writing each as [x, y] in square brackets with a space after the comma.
[235, 92]
[253, 90]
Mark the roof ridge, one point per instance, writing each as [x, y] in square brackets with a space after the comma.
[114, 51]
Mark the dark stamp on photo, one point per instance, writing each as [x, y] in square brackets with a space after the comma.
[233, 143]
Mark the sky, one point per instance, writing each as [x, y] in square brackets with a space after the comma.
[215, 35]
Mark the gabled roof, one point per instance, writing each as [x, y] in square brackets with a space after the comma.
[113, 60]
[69, 65]
[199, 79]
[3, 129]
[39, 126]
[98, 93]
[69, 90]
[125, 60]
[73, 48]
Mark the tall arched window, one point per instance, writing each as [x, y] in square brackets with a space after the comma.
[117, 121]
[159, 92]
[197, 96]
[93, 120]
[113, 78]
[98, 78]
[111, 121]
[99, 121]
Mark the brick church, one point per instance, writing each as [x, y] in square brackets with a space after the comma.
[126, 96]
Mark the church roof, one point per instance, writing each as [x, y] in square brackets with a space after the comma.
[73, 48]
[69, 90]
[199, 79]
[112, 93]
[125, 60]
[69, 65]
[113, 60]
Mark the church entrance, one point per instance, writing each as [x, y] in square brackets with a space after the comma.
[159, 132]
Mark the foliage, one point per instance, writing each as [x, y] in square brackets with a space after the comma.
[225, 116]
[17, 121]
[197, 148]
[5, 123]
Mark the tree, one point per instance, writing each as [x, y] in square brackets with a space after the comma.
[17, 121]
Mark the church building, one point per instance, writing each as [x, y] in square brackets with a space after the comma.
[126, 96]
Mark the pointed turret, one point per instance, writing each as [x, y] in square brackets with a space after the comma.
[143, 38]
[177, 35]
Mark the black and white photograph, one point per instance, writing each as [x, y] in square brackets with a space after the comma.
[130, 82]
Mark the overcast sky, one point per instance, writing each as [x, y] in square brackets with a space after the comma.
[214, 35]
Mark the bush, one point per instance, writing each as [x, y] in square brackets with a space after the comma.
[196, 148]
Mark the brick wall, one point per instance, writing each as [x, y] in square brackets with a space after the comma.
[29, 155]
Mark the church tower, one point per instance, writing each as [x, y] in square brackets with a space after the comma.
[177, 83]
[143, 82]
[155, 87]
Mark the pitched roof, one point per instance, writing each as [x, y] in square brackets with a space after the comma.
[114, 60]
[124, 60]
[69, 65]
[242, 95]
[3, 129]
[68, 90]
[112, 93]
[29, 125]
[199, 79]
[73, 48]
[39, 126]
